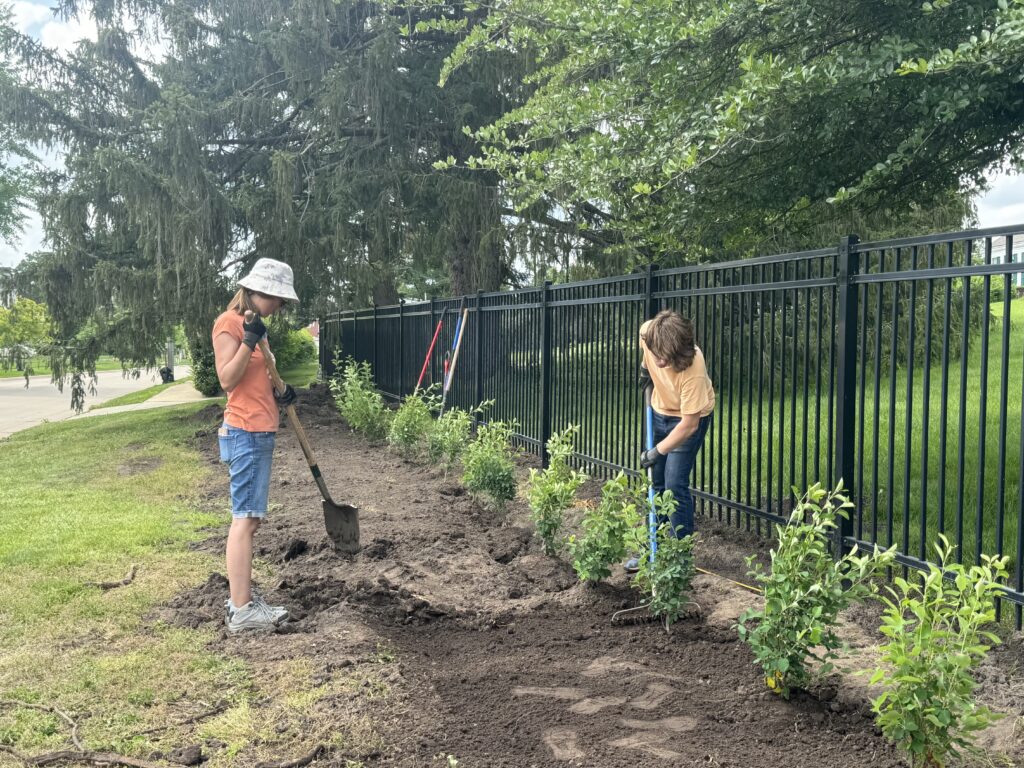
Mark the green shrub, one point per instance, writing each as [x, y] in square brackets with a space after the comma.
[804, 592]
[359, 402]
[489, 469]
[934, 625]
[605, 530]
[449, 437]
[553, 490]
[291, 347]
[204, 367]
[665, 581]
[412, 425]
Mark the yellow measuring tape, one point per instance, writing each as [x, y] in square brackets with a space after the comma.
[737, 583]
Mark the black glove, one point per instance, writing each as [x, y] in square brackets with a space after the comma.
[254, 331]
[286, 398]
[649, 458]
[644, 379]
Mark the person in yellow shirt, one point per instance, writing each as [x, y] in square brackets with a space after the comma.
[683, 400]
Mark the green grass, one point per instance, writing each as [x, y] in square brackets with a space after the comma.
[41, 366]
[301, 375]
[82, 501]
[138, 397]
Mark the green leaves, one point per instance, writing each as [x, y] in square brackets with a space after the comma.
[359, 402]
[665, 581]
[605, 529]
[934, 623]
[412, 424]
[805, 591]
[553, 490]
[488, 468]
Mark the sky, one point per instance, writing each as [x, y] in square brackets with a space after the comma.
[1002, 204]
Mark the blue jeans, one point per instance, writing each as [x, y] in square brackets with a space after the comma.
[249, 456]
[673, 471]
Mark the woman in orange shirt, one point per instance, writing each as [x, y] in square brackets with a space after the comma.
[247, 435]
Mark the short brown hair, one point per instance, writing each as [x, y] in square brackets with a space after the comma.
[670, 336]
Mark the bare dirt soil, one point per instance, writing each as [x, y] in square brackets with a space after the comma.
[498, 656]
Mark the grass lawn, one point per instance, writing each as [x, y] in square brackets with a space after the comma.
[41, 366]
[301, 375]
[82, 501]
[138, 397]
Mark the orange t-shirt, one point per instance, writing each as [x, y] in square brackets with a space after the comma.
[251, 405]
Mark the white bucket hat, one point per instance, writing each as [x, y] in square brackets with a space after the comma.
[271, 277]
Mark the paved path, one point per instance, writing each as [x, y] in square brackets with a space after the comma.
[21, 408]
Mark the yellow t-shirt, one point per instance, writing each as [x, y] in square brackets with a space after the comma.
[679, 392]
[251, 405]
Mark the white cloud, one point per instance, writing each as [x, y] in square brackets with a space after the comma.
[30, 240]
[62, 35]
[1003, 203]
[26, 15]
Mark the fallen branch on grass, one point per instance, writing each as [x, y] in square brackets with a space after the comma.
[115, 584]
[188, 720]
[45, 708]
[298, 763]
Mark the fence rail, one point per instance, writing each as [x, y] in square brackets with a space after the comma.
[897, 366]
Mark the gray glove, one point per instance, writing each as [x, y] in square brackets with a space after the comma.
[649, 458]
[286, 398]
[644, 379]
[254, 331]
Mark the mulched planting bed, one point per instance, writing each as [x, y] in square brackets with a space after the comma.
[500, 656]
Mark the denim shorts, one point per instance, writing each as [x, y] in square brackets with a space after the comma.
[249, 456]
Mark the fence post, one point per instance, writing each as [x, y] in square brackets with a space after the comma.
[355, 335]
[846, 378]
[652, 304]
[479, 349]
[373, 350]
[433, 324]
[545, 374]
[401, 348]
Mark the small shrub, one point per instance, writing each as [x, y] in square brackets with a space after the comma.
[934, 625]
[204, 368]
[451, 432]
[605, 530]
[667, 580]
[449, 437]
[489, 469]
[291, 347]
[804, 592]
[359, 402]
[412, 425]
[552, 491]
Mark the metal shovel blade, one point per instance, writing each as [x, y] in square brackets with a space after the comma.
[342, 523]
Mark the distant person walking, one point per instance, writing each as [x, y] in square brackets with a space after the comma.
[250, 425]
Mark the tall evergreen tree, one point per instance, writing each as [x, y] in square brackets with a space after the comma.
[200, 135]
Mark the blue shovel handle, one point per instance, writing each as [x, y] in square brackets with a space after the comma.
[652, 515]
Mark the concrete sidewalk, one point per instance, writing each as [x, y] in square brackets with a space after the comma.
[179, 394]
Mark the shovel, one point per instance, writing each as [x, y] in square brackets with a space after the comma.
[341, 520]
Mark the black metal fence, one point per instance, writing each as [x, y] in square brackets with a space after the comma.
[897, 366]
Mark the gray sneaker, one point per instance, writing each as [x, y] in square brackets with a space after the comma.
[280, 613]
[252, 615]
